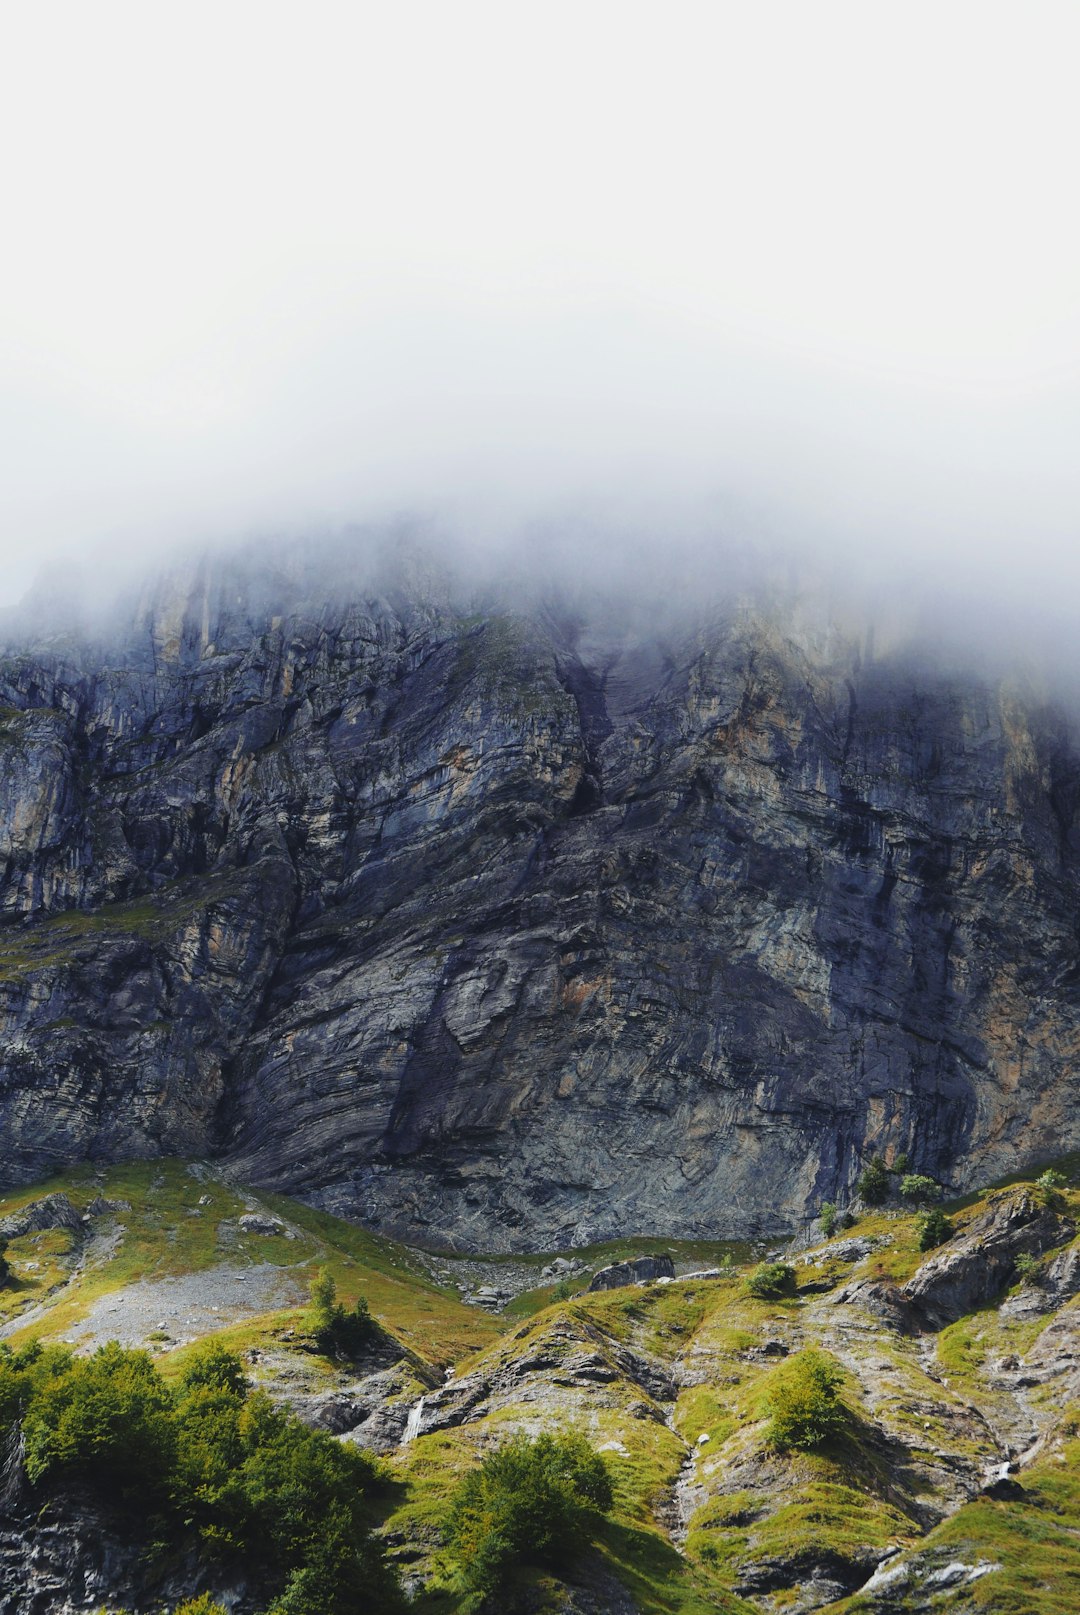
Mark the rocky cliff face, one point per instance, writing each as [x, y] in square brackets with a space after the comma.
[520, 926]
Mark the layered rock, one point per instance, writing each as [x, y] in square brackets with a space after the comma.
[521, 927]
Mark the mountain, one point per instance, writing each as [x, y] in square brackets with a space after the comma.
[516, 920]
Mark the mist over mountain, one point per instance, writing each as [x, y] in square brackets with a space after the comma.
[522, 911]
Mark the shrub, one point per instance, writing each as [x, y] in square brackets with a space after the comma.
[804, 1402]
[207, 1463]
[1029, 1269]
[873, 1183]
[771, 1280]
[902, 1164]
[108, 1418]
[1048, 1189]
[339, 1332]
[829, 1218]
[934, 1228]
[919, 1189]
[532, 1501]
[203, 1605]
[5, 1265]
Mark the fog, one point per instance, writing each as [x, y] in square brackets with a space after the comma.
[624, 290]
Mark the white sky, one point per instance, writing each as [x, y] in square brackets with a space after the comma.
[815, 262]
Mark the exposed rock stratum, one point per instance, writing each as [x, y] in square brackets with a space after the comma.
[522, 925]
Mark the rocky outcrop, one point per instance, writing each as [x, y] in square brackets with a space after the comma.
[977, 1265]
[51, 1211]
[72, 1557]
[641, 1270]
[528, 925]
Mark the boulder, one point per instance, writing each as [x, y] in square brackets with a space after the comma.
[640, 1271]
[258, 1222]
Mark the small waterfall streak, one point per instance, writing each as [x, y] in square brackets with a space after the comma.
[412, 1424]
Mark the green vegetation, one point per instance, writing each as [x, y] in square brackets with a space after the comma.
[770, 1281]
[818, 1479]
[919, 1189]
[829, 1218]
[803, 1403]
[1048, 1189]
[5, 1265]
[530, 1502]
[339, 1331]
[873, 1184]
[934, 1228]
[208, 1459]
[1029, 1269]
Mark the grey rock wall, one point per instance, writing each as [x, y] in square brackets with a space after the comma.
[509, 928]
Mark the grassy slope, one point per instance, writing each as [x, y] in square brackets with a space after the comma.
[743, 1504]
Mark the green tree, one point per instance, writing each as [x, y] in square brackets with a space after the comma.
[902, 1164]
[919, 1189]
[207, 1463]
[770, 1281]
[873, 1182]
[803, 1402]
[108, 1418]
[934, 1228]
[532, 1501]
[1029, 1270]
[1048, 1189]
[339, 1331]
[829, 1218]
[5, 1266]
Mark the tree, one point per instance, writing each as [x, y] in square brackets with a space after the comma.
[5, 1265]
[873, 1183]
[532, 1501]
[1048, 1189]
[902, 1164]
[770, 1281]
[804, 1402]
[919, 1189]
[1029, 1270]
[829, 1218]
[109, 1418]
[338, 1331]
[934, 1228]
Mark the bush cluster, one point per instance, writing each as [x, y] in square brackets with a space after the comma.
[339, 1332]
[1048, 1190]
[770, 1281]
[207, 1458]
[914, 1186]
[1029, 1269]
[804, 1403]
[532, 1501]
